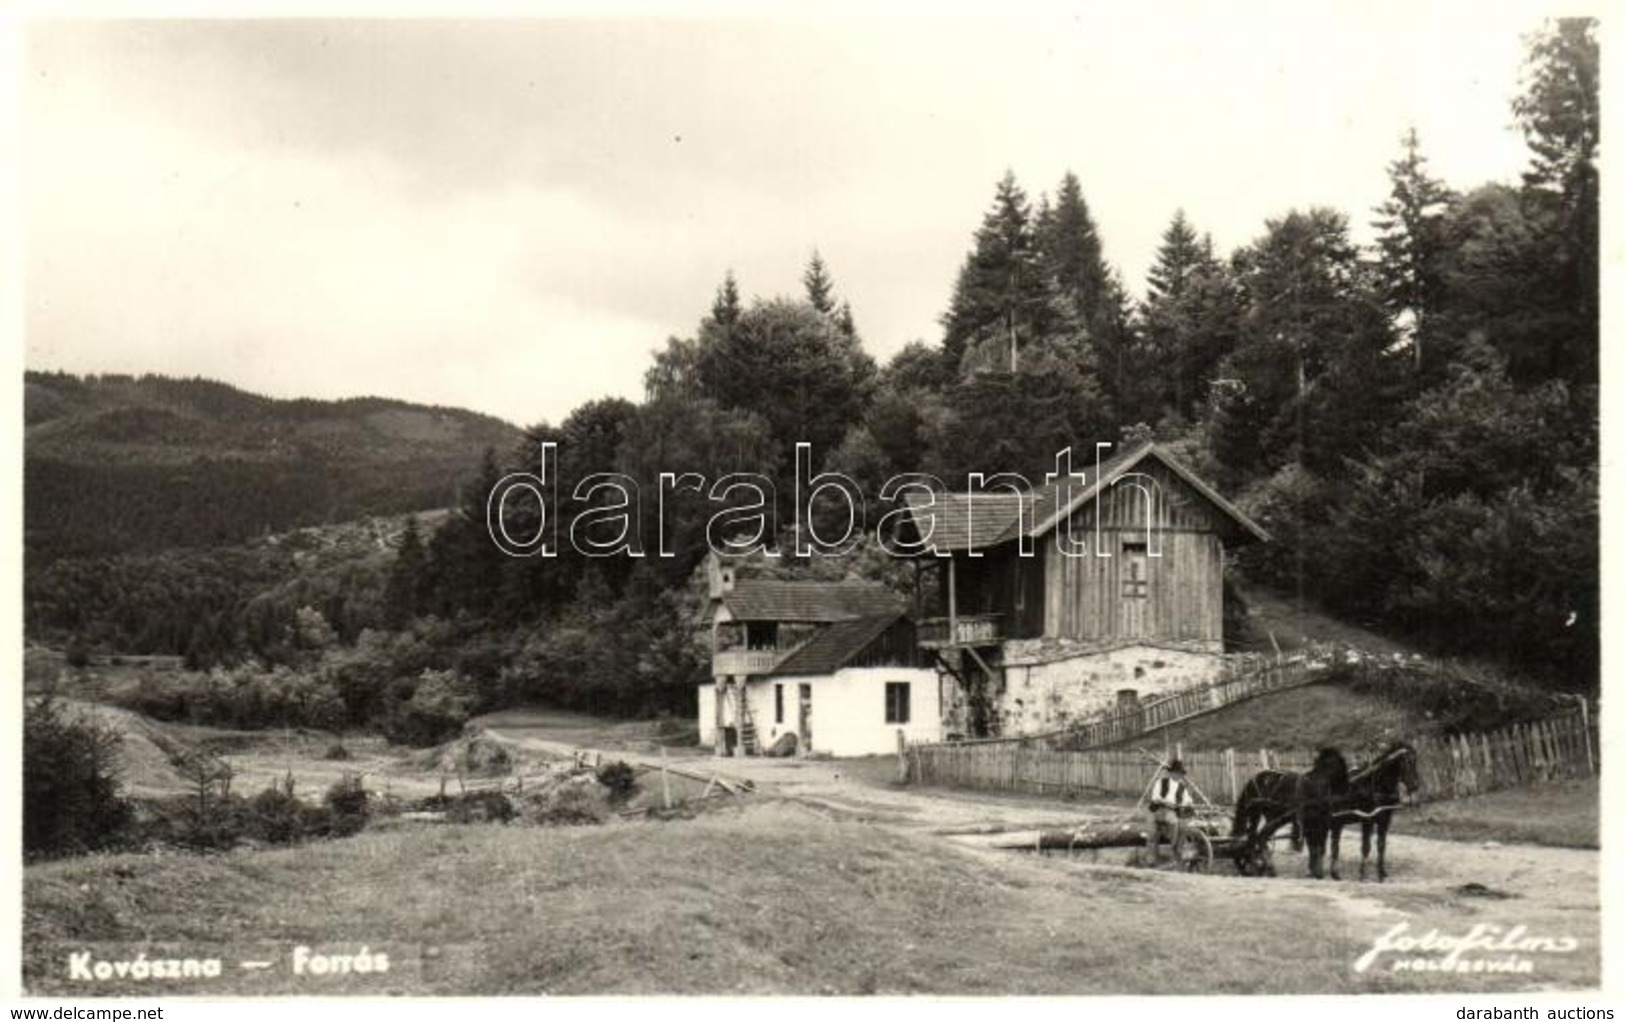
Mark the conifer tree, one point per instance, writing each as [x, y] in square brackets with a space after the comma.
[820, 288]
[1410, 244]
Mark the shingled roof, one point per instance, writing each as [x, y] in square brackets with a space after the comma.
[990, 519]
[760, 599]
[835, 645]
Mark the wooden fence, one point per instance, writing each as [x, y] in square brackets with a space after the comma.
[1559, 747]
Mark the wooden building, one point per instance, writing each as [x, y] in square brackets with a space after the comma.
[1073, 598]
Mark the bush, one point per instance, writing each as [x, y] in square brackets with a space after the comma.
[71, 799]
[570, 803]
[620, 779]
[347, 801]
[474, 807]
[438, 706]
[336, 751]
[276, 816]
[78, 653]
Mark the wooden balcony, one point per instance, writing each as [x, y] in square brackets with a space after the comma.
[967, 630]
[740, 662]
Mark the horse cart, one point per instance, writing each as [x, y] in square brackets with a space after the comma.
[1310, 808]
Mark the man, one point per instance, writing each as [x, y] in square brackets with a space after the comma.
[1171, 804]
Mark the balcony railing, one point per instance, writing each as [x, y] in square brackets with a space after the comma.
[968, 630]
[746, 661]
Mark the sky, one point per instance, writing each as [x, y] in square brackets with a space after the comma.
[510, 215]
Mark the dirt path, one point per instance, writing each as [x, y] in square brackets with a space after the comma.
[1444, 886]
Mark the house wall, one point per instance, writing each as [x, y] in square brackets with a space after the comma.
[1184, 601]
[708, 714]
[1047, 687]
[849, 709]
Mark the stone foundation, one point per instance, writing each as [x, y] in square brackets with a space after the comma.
[1050, 684]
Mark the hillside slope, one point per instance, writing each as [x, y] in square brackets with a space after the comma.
[120, 464]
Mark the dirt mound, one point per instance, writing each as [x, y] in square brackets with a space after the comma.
[475, 754]
[148, 754]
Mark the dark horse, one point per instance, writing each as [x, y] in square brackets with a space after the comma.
[1273, 799]
[1373, 796]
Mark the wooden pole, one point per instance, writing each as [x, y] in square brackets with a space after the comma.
[902, 758]
[665, 781]
[1585, 735]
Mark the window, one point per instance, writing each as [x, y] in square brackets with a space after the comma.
[778, 704]
[1134, 580]
[897, 702]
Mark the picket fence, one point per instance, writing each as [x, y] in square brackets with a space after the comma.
[1559, 747]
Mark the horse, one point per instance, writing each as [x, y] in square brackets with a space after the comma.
[1263, 796]
[1373, 796]
[1274, 798]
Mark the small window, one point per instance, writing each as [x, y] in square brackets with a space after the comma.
[897, 702]
[1134, 580]
[778, 704]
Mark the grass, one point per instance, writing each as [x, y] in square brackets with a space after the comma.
[588, 732]
[1296, 623]
[1299, 718]
[1563, 814]
[769, 897]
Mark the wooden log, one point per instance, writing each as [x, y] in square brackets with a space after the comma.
[1125, 835]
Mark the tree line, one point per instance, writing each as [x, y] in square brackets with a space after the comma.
[1414, 421]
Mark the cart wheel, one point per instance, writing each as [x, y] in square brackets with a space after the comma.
[1195, 853]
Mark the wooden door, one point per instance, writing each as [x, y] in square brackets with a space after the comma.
[1132, 623]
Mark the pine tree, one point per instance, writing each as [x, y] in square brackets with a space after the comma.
[844, 321]
[1411, 244]
[1561, 121]
[1070, 245]
[1000, 293]
[406, 576]
[725, 309]
[820, 288]
[1178, 258]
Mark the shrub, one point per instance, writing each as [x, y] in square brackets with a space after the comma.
[336, 751]
[438, 707]
[620, 780]
[78, 653]
[71, 799]
[476, 807]
[347, 801]
[277, 817]
[570, 803]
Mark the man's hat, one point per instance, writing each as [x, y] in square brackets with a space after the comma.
[1176, 767]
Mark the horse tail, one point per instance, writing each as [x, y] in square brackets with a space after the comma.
[1244, 809]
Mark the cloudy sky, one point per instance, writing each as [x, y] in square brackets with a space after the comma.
[509, 215]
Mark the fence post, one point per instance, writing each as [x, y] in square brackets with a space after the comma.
[1230, 771]
[902, 758]
[665, 781]
[1585, 735]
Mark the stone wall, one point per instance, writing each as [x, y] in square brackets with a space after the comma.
[1050, 684]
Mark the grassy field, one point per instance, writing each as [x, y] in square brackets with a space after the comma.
[768, 897]
[1300, 718]
[1563, 814]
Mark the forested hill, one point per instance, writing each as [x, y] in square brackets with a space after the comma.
[122, 464]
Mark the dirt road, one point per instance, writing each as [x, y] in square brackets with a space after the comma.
[1446, 887]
